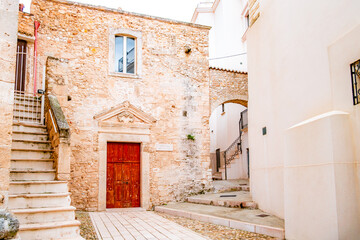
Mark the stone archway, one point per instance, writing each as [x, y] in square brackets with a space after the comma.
[228, 86]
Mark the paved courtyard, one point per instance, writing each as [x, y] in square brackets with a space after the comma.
[138, 224]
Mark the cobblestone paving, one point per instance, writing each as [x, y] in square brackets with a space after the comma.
[87, 230]
[213, 231]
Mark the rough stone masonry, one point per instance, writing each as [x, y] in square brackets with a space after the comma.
[171, 85]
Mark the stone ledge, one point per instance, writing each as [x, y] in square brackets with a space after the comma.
[59, 116]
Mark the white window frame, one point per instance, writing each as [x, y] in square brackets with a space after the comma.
[138, 52]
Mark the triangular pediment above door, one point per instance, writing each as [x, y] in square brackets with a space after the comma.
[125, 113]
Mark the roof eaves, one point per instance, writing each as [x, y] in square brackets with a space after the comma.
[227, 70]
[106, 9]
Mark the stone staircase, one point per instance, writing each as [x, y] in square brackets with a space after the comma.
[36, 198]
[229, 205]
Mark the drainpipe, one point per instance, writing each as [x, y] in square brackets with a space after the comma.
[36, 25]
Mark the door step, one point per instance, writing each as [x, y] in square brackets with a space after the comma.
[255, 221]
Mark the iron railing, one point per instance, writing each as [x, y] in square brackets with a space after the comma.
[355, 79]
[236, 147]
[231, 152]
[28, 106]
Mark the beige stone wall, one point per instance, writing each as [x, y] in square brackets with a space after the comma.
[173, 88]
[26, 24]
[8, 36]
[228, 86]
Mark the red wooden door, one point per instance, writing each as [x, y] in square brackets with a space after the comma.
[123, 175]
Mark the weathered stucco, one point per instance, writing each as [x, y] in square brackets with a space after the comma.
[173, 88]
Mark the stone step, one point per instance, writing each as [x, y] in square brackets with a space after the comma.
[21, 201]
[44, 215]
[217, 176]
[26, 118]
[26, 106]
[255, 221]
[22, 99]
[32, 175]
[25, 187]
[26, 113]
[25, 96]
[47, 164]
[60, 230]
[18, 153]
[27, 103]
[27, 110]
[27, 135]
[231, 185]
[238, 199]
[30, 144]
[22, 127]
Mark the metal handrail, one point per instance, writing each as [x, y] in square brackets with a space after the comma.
[28, 106]
[232, 145]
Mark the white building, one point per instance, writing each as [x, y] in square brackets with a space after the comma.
[227, 38]
[305, 167]
[227, 50]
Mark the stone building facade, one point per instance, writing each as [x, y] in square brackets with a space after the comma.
[159, 105]
[228, 86]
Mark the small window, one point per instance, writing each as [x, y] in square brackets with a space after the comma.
[125, 53]
[355, 79]
[247, 19]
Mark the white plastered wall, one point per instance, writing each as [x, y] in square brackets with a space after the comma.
[305, 170]
[226, 35]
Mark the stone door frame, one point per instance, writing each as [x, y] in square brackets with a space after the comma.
[126, 137]
[129, 124]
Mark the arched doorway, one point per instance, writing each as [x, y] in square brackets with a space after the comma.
[229, 141]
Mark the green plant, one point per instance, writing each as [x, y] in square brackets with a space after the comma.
[191, 137]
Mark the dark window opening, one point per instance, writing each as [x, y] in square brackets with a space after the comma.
[355, 79]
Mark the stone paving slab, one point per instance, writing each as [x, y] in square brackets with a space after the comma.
[138, 224]
[231, 185]
[254, 220]
[241, 199]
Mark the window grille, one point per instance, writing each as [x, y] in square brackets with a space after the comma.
[355, 79]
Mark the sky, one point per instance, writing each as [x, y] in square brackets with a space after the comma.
[174, 9]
